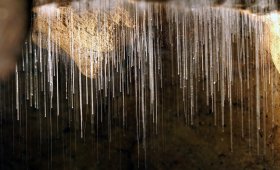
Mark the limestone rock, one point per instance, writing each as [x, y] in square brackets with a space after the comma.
[274, 39]
[80, 33]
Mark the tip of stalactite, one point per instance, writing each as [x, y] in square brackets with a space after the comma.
[80, 34]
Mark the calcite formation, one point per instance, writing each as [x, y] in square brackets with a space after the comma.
[80, 33]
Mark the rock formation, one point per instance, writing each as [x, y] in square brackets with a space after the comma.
[80, 33]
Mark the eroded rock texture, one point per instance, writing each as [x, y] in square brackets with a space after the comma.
[80, 33]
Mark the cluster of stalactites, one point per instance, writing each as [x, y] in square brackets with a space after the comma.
[125, 48]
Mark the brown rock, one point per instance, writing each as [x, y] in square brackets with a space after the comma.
[80, 33]
[13, 28]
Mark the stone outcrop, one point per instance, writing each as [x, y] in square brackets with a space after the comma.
[80, 33]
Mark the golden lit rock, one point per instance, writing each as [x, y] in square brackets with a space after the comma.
[274, 38]
[80, 33]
